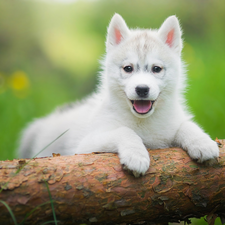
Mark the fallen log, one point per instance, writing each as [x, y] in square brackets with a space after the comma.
[94, 189]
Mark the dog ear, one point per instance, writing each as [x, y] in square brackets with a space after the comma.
[117, 32]
[170, 33]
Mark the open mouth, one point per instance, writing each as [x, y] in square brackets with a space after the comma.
[142, 106]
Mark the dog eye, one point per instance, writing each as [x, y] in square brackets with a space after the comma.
[156, 69]
[128, 69]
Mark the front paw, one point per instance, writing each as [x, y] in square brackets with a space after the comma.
[135, 161]
[204, 150]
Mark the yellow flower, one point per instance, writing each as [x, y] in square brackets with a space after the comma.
[19, 81]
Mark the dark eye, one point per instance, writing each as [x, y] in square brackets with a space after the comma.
[128, 69]
[156, 69]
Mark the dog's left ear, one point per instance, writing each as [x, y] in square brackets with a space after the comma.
[117, 32]
[170, 33]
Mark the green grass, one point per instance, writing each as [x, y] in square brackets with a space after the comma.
[55, 221]
[206, 91]
[16, 112]
[10, 211]
[52, 205]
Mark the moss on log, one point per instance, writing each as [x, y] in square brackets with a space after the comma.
[94, 189]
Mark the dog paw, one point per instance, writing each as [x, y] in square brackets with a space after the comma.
[204, 150]
[135, 162]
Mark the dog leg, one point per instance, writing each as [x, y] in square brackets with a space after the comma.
[132, 152]
[197, 143]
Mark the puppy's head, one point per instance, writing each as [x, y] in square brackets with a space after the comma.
[143, 66]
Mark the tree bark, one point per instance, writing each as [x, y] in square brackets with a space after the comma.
[94, 189]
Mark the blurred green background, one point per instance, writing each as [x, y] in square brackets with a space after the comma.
[49, 54]
[50, 51]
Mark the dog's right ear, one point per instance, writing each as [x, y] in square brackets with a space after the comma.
[117, 32]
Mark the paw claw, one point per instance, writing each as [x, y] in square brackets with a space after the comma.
[211, 162]
[135, 173]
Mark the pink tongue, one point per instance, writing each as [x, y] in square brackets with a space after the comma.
[142, 106]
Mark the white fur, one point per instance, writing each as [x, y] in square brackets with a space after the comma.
[107, 122]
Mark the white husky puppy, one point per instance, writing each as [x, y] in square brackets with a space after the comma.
[138, 105]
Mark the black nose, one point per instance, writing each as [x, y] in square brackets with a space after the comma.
[142, 90]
